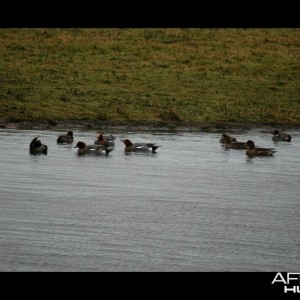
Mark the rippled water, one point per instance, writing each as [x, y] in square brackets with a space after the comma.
[193, 206]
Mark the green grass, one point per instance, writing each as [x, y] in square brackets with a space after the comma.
[150, 75]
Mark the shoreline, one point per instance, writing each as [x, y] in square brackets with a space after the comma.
[115, 126]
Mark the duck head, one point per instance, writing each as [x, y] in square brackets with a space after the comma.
[80, 145]
[227, 138]
[70, 133]
[250, 144]
[127, 142]
[100, 137]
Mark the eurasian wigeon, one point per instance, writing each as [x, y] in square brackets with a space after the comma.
[108, 140]
[277, 136]
[139, 147]
[92, 149]
[229, 144]
[36, 147]
[224, 136]
[66, 139]
[258, 151]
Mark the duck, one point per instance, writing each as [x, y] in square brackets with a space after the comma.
[277, 136]
[108, 137]
[66, 139]
[108, 140]
[36, 147]
[139, 147]
[224, 136]
[229, 144]
[258, 151]
[83, 149]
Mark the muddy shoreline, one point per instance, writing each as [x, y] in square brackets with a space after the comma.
[133, 126]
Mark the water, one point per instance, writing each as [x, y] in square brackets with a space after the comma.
[193, 206]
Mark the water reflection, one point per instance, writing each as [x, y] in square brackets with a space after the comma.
[143, 153]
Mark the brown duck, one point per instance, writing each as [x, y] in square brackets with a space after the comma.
[257, 151]
[225, 136]
[278, 136]
[36, 147]
[105, 140]
[234, 144]
[66, 139]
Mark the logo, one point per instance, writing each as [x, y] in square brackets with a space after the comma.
[290, 281]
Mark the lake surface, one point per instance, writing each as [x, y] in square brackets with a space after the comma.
[192, 206]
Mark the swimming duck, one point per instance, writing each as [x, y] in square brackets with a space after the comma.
[257, 151]
[66, 139]
[92, 149]
[108, 140]
[277, 136]
[36, 147]
[229, 144]
[139, 147]
[224, 136]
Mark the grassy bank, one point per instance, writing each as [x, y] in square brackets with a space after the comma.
[150, 75]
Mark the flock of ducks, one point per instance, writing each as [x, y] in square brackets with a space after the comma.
[252, 150]
[104, 144]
